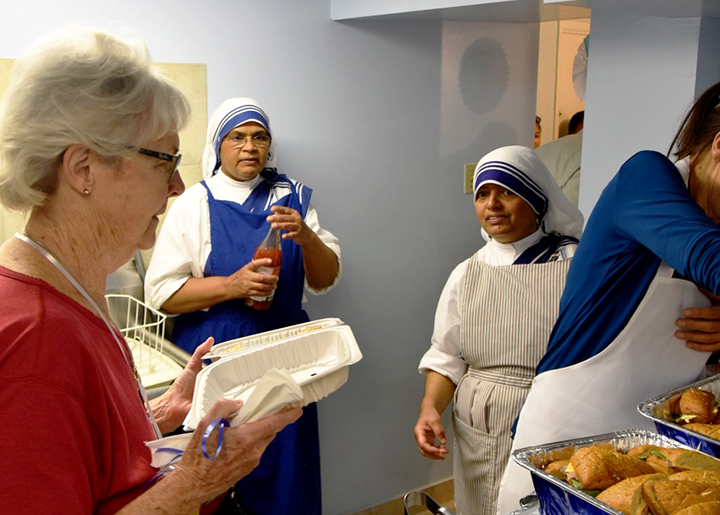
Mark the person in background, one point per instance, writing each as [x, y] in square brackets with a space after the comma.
[563, 158]
[650, 254]
[493, 320]
[576, 122]
[538, 131]
[88, 146]
[203, 269]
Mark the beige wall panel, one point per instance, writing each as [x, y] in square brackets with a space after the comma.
[571, 36]
[192, 80]
[10, 222]
[547, 78]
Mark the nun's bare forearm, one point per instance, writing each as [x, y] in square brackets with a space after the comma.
[320, 263]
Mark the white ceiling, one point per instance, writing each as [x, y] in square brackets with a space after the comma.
[512, 10]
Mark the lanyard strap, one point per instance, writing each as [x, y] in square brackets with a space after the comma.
[124, 349]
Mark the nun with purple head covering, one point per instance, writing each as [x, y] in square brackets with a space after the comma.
[203, 269]
[494, 319]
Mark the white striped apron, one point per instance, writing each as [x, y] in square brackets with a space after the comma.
[507, 314]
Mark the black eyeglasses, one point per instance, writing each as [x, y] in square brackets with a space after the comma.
[170, 158]
[239, 140]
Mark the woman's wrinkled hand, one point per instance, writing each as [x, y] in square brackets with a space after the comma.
[428, 431]
[171, 408]
[700, 327]
[242, 447]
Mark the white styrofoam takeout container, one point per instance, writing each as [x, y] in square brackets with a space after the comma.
[317, 360]
[220, 350]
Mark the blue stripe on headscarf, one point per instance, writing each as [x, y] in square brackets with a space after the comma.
[238, 116]
[516, 181]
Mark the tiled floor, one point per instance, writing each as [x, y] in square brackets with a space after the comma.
[442, 493]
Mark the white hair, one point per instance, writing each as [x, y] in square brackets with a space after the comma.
[79, 86]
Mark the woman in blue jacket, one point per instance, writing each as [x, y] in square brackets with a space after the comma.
[650, 248]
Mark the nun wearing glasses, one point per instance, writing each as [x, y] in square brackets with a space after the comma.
[493, 321]
[203, 270]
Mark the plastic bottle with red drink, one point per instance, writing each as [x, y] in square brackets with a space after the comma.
[269, 248]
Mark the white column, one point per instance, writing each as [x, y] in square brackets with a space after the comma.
[642, 72]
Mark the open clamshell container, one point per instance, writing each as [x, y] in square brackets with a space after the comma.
[220, 350]
[658, 410]
[317, 360]
[560, 498]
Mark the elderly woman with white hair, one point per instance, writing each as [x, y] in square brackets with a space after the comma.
[89, 148]
[493, 320]
[203, 269]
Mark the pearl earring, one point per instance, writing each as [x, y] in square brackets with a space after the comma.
[86, 191]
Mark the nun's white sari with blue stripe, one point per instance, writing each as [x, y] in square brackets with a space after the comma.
[521, 171]
[288, 477]
[493, 322]
[287, 480]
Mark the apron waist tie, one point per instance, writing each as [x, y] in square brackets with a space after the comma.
[500, 377]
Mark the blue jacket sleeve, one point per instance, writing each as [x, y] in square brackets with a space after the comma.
[654, 208]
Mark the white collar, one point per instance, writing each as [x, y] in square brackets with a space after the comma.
[683, 167]
[517, 247]
[221, 176]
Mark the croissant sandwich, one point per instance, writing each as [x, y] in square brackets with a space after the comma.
[645, 480]
[668, 497]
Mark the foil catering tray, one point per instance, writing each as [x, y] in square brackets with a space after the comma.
[560, 498]
[657, 410]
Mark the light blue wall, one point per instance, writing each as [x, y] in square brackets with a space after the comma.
[635, 97]
[369, 114]
[646, 67]
[708, 63]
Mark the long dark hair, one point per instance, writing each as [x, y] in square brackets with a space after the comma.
[699, 127]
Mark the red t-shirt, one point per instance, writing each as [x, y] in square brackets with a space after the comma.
[72, 424]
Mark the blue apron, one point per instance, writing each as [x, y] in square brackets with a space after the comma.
[287, 480]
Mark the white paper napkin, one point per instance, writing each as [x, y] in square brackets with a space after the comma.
[275, 391]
